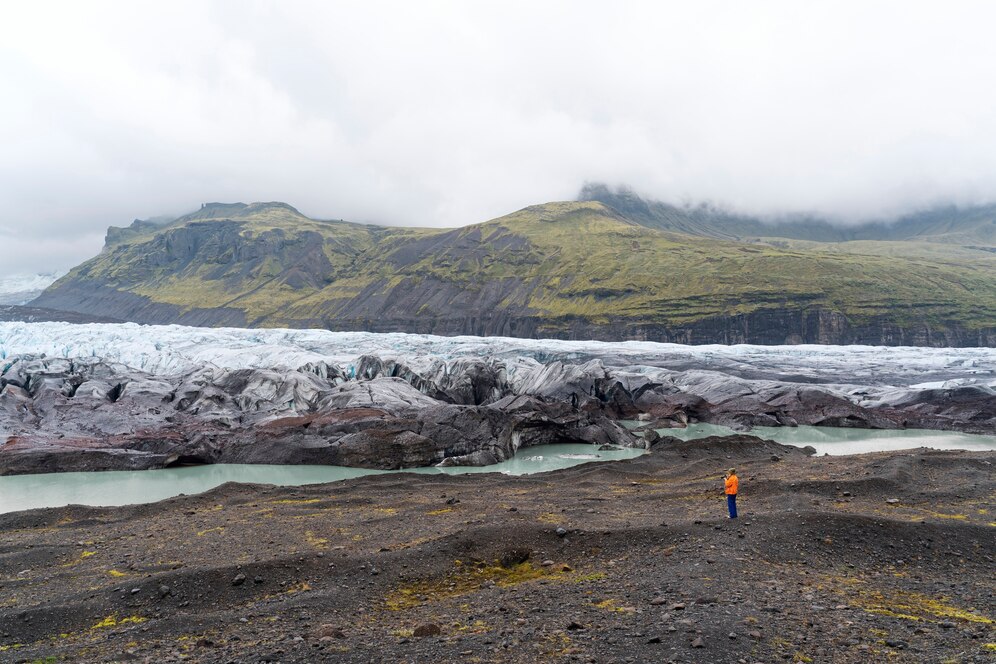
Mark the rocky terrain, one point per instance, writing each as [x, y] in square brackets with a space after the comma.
[605, 268]
[86, 413]
[880, 557]
[40, 315]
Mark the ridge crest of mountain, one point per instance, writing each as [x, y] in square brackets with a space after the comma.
[611, 267]
[973, 226]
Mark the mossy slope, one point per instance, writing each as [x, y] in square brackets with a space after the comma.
[574, 267]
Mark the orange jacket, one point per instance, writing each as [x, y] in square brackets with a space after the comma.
[732, 484]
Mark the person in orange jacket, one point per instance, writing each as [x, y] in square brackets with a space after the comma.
[732, 484]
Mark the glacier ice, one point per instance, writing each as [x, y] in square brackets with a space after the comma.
[22, 288]
[160, 393]
[172, 349]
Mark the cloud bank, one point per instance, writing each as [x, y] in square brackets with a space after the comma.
[448, 113]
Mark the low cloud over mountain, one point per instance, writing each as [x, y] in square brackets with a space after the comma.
[445, 115]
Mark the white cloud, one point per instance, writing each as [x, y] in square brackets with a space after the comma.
[449, 113]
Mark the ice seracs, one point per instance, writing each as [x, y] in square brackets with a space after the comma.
[170, 349]
[127, 396]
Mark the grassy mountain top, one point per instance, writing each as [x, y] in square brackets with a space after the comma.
[579, 265]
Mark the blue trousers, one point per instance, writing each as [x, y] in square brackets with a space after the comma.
[731, 502]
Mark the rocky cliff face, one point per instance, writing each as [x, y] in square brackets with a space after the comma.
[769, 327]
[565, 270]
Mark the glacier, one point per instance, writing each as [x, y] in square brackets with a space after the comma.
[20, 289]
[130, 396]
[172, 349]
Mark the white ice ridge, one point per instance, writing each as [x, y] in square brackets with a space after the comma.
[169, 349]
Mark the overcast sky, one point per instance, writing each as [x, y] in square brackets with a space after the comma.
[444, 114]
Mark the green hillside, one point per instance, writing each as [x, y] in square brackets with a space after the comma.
[580, 269]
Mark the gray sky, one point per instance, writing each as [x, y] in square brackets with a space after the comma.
[444, 114]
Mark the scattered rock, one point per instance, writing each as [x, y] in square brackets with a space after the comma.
[329, 632]
[698, 643]
[428, 629]
[515, 556]
[480, 534]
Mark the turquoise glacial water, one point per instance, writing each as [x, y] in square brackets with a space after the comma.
[836, 440]
[23, 492]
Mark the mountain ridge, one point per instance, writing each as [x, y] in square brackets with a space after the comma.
[574, 269]
[945, 224]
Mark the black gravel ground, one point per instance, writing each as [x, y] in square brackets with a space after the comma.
[872, 558]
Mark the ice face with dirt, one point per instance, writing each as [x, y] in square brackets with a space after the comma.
[171, 349]
[88, 397]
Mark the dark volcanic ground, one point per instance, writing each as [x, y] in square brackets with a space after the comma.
[622, 562]
[28, 314]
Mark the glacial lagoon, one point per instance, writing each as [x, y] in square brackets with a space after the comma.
[838, 440]
[22, 492]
